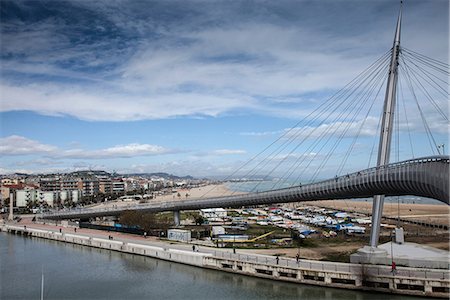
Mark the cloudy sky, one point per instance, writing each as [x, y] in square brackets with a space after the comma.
[186, 87]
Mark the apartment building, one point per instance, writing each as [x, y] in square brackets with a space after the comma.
[50, 183]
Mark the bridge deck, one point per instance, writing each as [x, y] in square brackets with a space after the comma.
[425, 177]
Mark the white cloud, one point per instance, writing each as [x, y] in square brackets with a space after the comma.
[228, 152]
[260, 134]
[106, 106]
[367, 127]
[120, 151]
[219, 70]
[19, 145]
[184, 67]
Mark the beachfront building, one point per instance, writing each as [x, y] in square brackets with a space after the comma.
[132, 184]
[50, 183]
[89, 186]
[105, 184]
[70, 196]
[69, 183]
[10, 181]
[49, 197]
[118, 186]
[23, 197]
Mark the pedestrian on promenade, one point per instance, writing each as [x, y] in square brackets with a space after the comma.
[75, 230]
[394, 268]
[60, 230]
[193, 248]
[297, 257]
[145, 234]
[278, 259]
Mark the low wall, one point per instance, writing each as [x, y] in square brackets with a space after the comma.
[410, 281]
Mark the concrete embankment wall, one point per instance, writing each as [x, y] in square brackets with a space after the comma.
[410, 281]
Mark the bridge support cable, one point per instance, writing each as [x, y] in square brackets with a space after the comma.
[355, 139]
[331, 131]
[351, 111]
[430, 78]
[307, 132]
[415, 72]
[347, 127]
[402, 98]
[431, 139]
[318, 115]
[306, 129]
[315, 115]
[431, 62]
[374, 141]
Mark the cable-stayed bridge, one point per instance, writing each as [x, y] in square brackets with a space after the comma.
[425, 177]
[344, 116]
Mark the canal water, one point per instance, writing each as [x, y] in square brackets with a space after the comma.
[77, 272]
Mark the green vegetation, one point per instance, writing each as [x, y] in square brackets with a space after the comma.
[146, 221]
[338, 257]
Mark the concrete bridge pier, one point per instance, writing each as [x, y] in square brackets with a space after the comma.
[176, 217]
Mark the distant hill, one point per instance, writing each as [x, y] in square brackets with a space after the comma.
[161, 175]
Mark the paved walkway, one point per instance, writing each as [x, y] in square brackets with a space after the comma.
[228, 253]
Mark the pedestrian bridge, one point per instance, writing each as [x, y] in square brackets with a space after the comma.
[424, 177]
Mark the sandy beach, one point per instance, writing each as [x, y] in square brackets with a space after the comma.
[436, 214]
[208, 191]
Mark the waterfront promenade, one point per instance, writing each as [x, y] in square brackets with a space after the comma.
[411, 281]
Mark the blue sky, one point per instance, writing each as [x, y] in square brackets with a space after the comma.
[186, 87]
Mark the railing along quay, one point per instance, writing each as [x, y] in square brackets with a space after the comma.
[380, 278]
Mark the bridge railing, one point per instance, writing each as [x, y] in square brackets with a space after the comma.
[194, 203]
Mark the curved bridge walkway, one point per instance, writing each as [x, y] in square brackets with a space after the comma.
[426, 177]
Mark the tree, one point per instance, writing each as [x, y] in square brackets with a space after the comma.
[146, 221]
[199, 220]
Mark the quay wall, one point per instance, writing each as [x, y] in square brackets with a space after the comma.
[408, 281]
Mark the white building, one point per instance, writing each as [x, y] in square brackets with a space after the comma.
[25, 196]
[73, 196]
[76, 195]
[118, 186]
[49, 197]
[213, 213]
